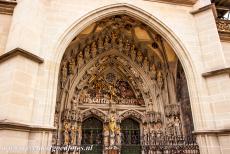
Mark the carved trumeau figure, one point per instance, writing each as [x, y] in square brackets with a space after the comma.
[63, 74]
[146, 65]
[87, 53]
[112, 124]
[133, 53]
[94, 49]
[139, 57]
[112, 130]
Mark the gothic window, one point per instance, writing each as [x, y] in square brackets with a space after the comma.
[92, 135]
[130, 137]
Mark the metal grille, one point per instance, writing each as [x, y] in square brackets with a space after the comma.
[130, 137]
[169, 145]
[92, 135]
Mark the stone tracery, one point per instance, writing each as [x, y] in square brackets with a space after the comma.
[111, 70]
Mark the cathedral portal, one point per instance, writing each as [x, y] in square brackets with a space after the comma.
[123, 90]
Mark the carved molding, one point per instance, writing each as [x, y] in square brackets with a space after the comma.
[183, 2]
[217, 131]
[20, 52]
[216, 72]
[8, 125]
[93, 112]
[7, 6]
[205, 8]
[133, 114]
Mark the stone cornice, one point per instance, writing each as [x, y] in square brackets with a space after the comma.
[16, 126]
[7, 6]
[216, 131]
[205, 8]
[21, 52]
[217, 72]
[180, 2]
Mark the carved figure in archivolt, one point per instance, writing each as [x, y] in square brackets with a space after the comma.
[87, 53]
[153, 72]
[64, 74]
[127, 47]
[146, 65]
[114, 38]
[106, 42]
[100, 44]
[133, 53]
[71, 66]
[160, 79]
[80, 60]
[120, 44]
[139, 57]
[94, 49]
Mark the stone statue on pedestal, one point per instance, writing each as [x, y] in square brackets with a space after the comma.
[66, 133]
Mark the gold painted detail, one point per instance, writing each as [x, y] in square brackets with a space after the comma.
[223, 25]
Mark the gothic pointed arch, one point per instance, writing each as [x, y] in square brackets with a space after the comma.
[118, 68]
[92, 112]
[132, 114]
